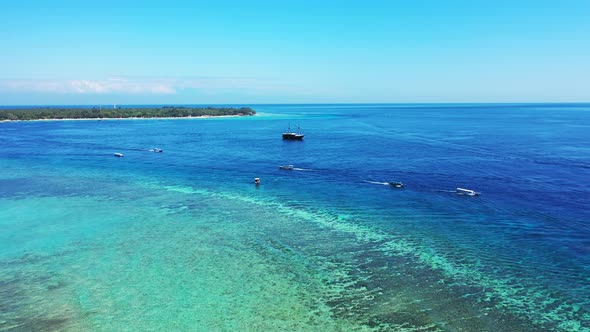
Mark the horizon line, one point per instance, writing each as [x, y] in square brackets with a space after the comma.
[322, 103]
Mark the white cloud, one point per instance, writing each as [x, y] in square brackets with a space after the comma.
[106, 86]
[140, 85]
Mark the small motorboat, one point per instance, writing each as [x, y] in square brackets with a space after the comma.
[395, 184]
[468, 192]
[119, 155]
[286, 167]
[156, 150]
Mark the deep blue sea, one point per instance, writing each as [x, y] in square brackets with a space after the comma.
[184, 241]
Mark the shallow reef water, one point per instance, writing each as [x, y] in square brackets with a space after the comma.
[183, 240]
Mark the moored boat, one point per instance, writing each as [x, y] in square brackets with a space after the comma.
[290, 135]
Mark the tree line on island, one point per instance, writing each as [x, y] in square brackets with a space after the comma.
[48, 113]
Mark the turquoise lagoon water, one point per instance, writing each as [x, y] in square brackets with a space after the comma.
[183, 240]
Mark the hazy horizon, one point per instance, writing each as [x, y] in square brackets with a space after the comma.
[104, 105]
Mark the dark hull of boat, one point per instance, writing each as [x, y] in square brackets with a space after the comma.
[292, 136]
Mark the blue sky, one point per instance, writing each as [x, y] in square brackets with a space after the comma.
[243, 52]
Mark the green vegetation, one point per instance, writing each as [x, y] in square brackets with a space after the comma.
[42, 113]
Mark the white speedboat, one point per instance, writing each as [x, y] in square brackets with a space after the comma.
[287, 167]
[119, 155]
[156, 150]
[395, 184]
[468, 192]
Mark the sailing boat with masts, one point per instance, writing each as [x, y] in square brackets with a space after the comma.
[290, 135]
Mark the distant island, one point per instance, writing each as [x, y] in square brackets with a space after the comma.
[59, 113]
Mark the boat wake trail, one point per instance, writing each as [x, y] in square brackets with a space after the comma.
[377, 182]
[446, 191]
[292, 168]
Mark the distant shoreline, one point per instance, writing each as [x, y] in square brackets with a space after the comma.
[165, 112]
[135, 118]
